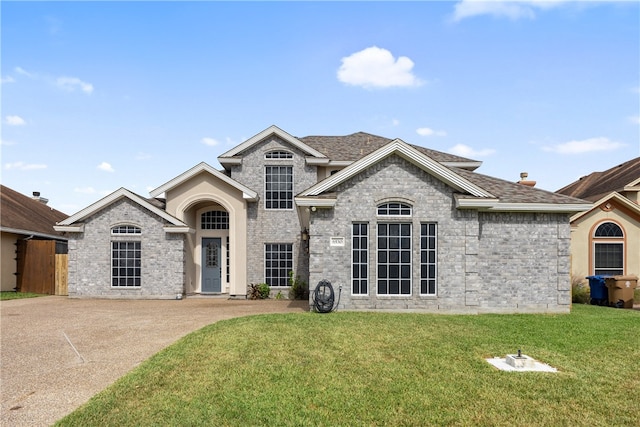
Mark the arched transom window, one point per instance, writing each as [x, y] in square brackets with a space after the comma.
[278, 154]
[608, 249]
[394, 209]
[214, 220]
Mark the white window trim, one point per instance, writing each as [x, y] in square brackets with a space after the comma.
[264, 265]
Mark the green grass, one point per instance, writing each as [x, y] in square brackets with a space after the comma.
[374, 369]
[7, 295]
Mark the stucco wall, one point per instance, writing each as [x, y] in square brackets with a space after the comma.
[486, 262]
[90, 255]
[273, 226]
[9, 265]
[583, 228]
[205, 190]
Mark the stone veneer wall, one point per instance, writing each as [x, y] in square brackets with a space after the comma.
[90, 255]
[273, 226]
[486, 262]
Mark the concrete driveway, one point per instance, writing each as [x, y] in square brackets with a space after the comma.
[57, 352]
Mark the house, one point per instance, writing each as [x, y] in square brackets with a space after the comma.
[605, 240]
[30, 244]
[391, 225]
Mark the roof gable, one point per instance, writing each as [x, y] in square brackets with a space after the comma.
[68, 224]
[409, 153]
[247, 193]
[271, 130]
[614, 199]
[23, 215]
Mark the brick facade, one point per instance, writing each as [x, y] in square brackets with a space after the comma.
[90, 255]
[487, 262]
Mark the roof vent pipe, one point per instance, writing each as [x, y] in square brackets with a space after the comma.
[36, 197]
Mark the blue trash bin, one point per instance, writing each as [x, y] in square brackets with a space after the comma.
[599, 293]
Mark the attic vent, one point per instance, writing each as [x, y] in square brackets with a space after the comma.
[36, 197]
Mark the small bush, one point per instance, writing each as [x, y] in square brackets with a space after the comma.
[259, 291]
[580, 293]
[298, 287]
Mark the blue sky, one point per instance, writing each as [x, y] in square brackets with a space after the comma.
[98, 96]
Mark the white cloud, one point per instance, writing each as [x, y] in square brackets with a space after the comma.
[585, 146]
[85, 190]
[73, 83]
[14, 121]
[24, 166]
[104, 166]
[7, 79]
[430, 132]
[466, 151]
[24, 72]
[143, 156]
[507, 9]
[635, 120]
[376, 67]
[209, 141]
[395, 122]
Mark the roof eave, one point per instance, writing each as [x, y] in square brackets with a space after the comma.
[494, 205]
[33, 233]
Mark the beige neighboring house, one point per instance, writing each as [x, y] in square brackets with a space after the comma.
[605, 240]
[29, 242]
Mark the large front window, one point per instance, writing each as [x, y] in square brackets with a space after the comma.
[278, 262]
[608, 250]
[278, 187]
[394, 259]
[125, 264]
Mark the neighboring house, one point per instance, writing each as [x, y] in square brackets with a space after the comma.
[394, 225]
[29, 242]
[605, 240]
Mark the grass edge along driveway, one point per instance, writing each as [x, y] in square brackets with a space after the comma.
[355, 368]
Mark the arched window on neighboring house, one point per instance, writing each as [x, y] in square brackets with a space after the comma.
[608, 249]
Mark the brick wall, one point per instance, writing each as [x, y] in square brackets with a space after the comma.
[90, 255]
[486, 262]
[272, 226]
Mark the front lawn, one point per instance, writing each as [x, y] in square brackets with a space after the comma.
[371, 369]
[7, 295]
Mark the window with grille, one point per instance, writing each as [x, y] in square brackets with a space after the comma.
[214, 220]
[126, 229]
[278, 154]
[278, 187]
[125, 264]
[360, 259]
[608, 250]
[278, 262]
[394, 209]
[428, 258]
[394, 259]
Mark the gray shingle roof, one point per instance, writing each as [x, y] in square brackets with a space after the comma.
[357, 145]
[512, 192]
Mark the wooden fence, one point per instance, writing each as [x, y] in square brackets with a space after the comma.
[40, 269]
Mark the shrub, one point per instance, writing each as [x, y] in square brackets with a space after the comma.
[259, 291]
[298, 288]
[580, 293]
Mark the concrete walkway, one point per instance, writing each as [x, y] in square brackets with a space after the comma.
[56, 352]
